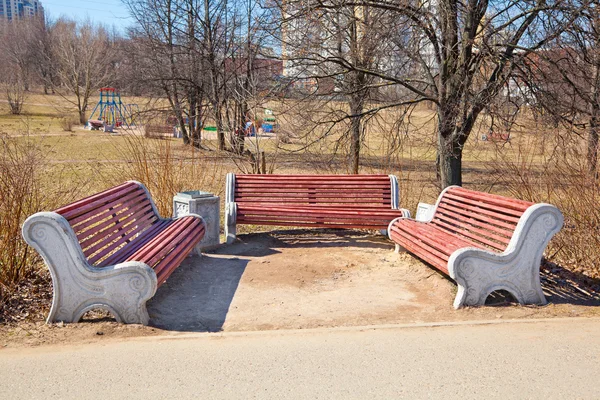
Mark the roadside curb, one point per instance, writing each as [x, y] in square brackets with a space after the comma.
[342, 329]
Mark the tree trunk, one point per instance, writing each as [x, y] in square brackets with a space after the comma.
[82, 117]
[355, 144]
[449, 161]
[357, 103]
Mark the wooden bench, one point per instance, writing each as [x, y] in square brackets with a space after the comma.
[484, 242]
[110, 250]
[316, 201]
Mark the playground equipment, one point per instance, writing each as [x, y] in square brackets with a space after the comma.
[112, 112]
[269, 121]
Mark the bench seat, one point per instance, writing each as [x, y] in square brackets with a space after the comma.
[484, 242]
[111, 250]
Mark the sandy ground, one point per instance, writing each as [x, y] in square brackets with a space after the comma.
[301, 279]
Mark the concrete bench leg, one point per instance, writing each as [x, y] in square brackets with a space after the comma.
[122, 289]
[230, 209]
[230, 223]
[479, 273]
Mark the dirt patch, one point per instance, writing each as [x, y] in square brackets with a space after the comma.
[305, 279]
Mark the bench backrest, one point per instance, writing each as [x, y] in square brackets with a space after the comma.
[486, 220]
[368, 191]
[106, 221]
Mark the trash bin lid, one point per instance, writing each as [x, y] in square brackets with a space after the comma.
[194, 194]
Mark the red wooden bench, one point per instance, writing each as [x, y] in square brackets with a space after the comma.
[484, 242]
[316, 201]
[110, 250]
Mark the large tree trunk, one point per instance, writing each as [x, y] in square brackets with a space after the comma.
[449, 162]
[82, 117]
[357, 104]
[450, 145]
[356, 108]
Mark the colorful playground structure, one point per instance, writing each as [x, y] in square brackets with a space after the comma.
[111, 112]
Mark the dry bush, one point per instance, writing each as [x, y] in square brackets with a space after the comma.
[167, 167]
[15, 96]
[67, 123]
[20, 196]
[558, 176]
[23, 191]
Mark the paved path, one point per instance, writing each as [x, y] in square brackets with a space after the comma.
[549, 359]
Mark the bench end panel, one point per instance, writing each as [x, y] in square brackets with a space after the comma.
[478, 272]
[78, 286]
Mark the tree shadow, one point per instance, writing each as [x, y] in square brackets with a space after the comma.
[197, 297]
[306, 238]
[562, 286]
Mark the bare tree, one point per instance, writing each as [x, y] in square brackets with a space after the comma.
[330, 49]
[83, 54]
[565, 79]
[457, 55]
[16, 39]
[190, 52]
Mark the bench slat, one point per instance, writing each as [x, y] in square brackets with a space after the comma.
[474, 224]
[421, 249]
[92, 216]
[124, 253]
[174, 245]
[490, 199]
[481, 204]
[292, 177]
[477, 238]
[366, 224]
[509, 219]
[86, 200]
[170, 263]
[165, 242]
[447, 240]
[101, 203]
[315, 186]
[98, 252]
[118, 222]
[332, 194]
[129, 214]
[320, 211]
[113, 238]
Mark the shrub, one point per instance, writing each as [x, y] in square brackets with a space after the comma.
[166, 170]
[23, 191]
[67, 123]
[558, 174]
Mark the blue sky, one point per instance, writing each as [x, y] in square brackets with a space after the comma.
[109, 12]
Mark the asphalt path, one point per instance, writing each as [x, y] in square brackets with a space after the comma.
[544, 359]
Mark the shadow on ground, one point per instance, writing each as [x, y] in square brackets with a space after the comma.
[562, 286]
[198, 295]
[265, 243]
